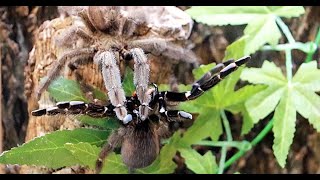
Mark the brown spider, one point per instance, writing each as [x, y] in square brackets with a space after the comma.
[107, 36]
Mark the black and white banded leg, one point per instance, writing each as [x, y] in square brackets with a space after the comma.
[207, 81]
[77, 107]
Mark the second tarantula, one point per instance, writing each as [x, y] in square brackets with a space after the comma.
[140, 139]
[106, 36]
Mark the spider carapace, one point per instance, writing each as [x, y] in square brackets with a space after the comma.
[138, 137]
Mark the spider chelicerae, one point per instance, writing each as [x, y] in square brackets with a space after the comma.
[107, 36]
[140, 138]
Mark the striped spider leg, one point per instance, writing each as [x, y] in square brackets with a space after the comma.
[206, 82]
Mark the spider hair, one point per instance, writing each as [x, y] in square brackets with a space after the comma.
[141, 80]
[112, 81]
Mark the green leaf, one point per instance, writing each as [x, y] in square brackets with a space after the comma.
[307, 104]
[127, 83]
[114, 165]
[66, 90]
[307, 76]
[261, 28]
[236, 49]
[105, 123]
[49, 150]
[259, 32]
[99, 94]
[205, 164]
[288, 11]
[268, 74]
[207, 124]
[284, 127]
[247, 124]
[87, 155]
[224, 15]
[241, 95]
[263, 103]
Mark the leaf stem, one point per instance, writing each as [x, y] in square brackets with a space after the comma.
[285, 30]
[291, 40]
[254, 142]
[312, 47]
[229, 139]
[289, 64]
[226, 125]
[316, 42]
[242, 145]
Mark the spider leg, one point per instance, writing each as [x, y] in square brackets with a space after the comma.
[76, 107]
[141, 80]
[207, 81]
[159, 46]
[59, 64]
[171, 113]
[68, 37]
[112, 81]
[114, 140]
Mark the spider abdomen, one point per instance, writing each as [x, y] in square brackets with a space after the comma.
[140, 146]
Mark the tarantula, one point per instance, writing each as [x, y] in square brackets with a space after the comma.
[106, 37]
[140, 138]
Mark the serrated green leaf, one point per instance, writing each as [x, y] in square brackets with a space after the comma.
[224, 15]
[307, 104]
[247, 123]
[261, 31]
[261, 28]
[207, 124]
[288, 11]
[263, 103]
[268, 74]
[127, 83]
[87, 155]
[307, 75]
[284, 127]
[114, 165]
[241, 95]
[205, 164]
[49, 150]
[63, 89]
[236, 49]
[105, 123]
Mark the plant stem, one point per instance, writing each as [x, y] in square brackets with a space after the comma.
[291, 40]
[255, 141]
[296, 45]
[229, 139]
[317, 41]
[285, 30]
[289, 64]
[243, 145]
[226, 125]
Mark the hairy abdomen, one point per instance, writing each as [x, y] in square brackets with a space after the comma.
[140, 147]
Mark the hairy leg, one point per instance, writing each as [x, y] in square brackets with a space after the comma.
[112, 81]
[141, 80]
[114, 140]
[159, 46]
[60, 63]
